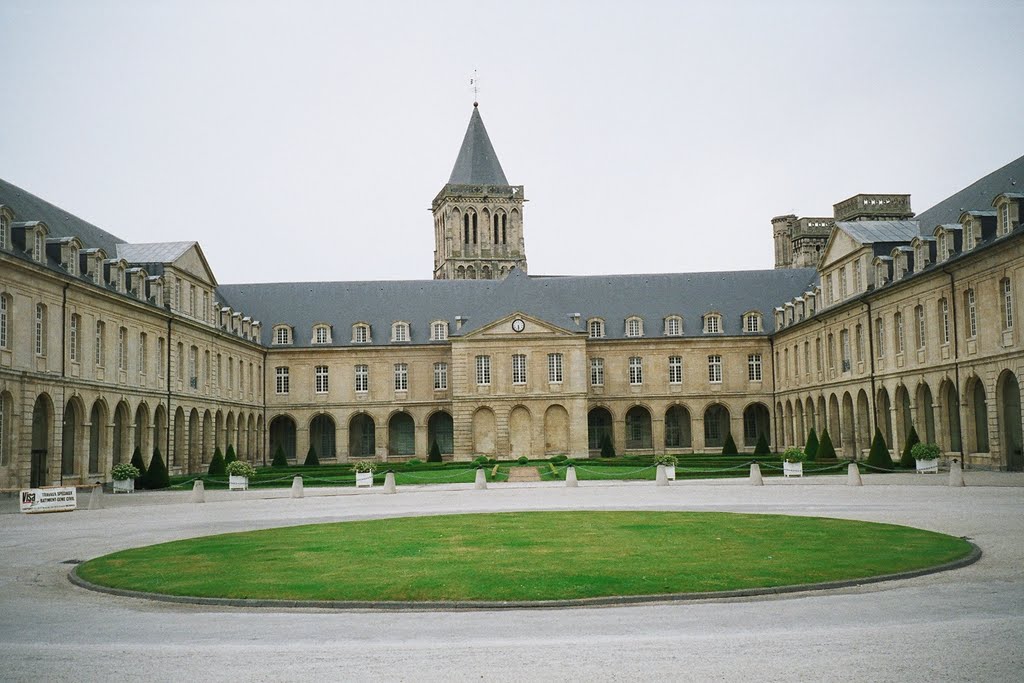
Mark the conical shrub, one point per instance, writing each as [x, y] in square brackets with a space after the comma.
[280, 459]
[607, 447]
[811, 449]
[140, 481]
[230, 456]
[730, 446]
[762, 447]
[217, 464]
[826, 451]
[879, 456]
[435, 452]
[311, 459]
[907, 460]
[157, 476]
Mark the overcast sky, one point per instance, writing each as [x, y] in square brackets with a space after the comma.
[305, 140]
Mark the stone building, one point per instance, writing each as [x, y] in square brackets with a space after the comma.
[871, 317]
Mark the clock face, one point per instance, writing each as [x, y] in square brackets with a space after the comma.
[518, 325]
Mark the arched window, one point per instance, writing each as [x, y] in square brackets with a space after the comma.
[595, 328]
[5, 307]
[752, 322]
[282, 334]
[321, 334]
[400, 332]
[361, 333]
[504, 224]
[712, 323]
[673, 326]
[496, 222]
[439, 330]
[474, 229]
[634, 327]
[465, 228]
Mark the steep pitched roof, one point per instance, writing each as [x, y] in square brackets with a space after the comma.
[153, 252]
[870, 232]
[28, 207]
[977, 196]
[477, 163]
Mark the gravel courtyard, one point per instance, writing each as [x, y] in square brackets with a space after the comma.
[967, 624]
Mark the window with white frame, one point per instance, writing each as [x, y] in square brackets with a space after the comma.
[322, 334]
[595, 328]
[897, 321]
[143, 342]
[753, 367]
[842, 284]
[555, 368]
[752, 322]
[673, 326]
[177, 295]
[483, 370]
[1006, 288]
[74, 346]
[636, 370]
[5, 309]
[37, 249]
[122, 349]
[320, 379]
[634, 327]
[361, 333]
[518, 368]
[715, 368]
[858, 276]
[944, 319]
[3, 232]
[919, 325]
[972, 314]
[969, 236]
[597, 372]
[675, 369]
[439, 330]
[40, 330]
[400, 332]
[282, 382]
[1004, 219]
[401, 377]
[712, 323]
[282, 334]
[440, 376]
[362, 376]
[879, 337]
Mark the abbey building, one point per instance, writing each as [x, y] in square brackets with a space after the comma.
[873, 317]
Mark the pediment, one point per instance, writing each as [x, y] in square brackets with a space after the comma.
[840, 245]
[532, 328]
[194, 263]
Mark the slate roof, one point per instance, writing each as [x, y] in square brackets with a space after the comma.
[153, 252]
[477, 163]
[28, 207]
[553, 299]
[977, 196]
[870, 232]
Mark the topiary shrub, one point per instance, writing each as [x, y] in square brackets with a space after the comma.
[811, 448]
[558, 459]
[907, 459]
[414, 461]
[522, 460]
[140, 481]
[879, 456]
[826, 451]
[230, 456]
[435, 452]
[730, 446]
[280, 459]
[311, 459]
[217, 464]
[480, 460]
[607, 447]
[762, 447]
[156, 476]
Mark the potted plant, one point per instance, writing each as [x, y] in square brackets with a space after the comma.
[927, 457]
[793, 462]
[124, 476]
[364, 472]
[670, 462]
[238, 472]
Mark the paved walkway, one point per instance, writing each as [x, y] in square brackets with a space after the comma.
[961, 625]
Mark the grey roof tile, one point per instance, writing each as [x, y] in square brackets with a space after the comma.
[153, 252]
[976, 196]
[477, 162]
[28, 207]
[870, 232]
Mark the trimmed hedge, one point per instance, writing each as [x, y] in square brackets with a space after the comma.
[217, 464]
[607, 447]
[280, 459]
[230, 456]
[907, 459]
[826, 451]
[730, 446]
[156, 476]
[435, 452]
[311, 459]
[879, 456]
[811, 449]
[140, 481]
[762, 447]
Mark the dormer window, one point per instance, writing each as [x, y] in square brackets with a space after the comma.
[282, 335]
[38, 252]
[439, 330]
[712, 323]
[5, 230]
[634, 327]
[595, 328]
[752, 322]
[361, 333]
[400, 332]
[970, 238]
[673, 326]
[322, 334]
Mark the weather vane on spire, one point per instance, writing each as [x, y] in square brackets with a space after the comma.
[474, 82]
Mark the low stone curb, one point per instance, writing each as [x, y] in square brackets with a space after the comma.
[608, 601]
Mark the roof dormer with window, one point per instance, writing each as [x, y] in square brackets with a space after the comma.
[634, 326]
[752, 322]
[673, 326]
[282, 335]
[713, 323]
[321, 333]
[361, 333]
[6, 218]
[1008, 212]
[882, 264]
[400, 332]
[595, 328]
[439, 330]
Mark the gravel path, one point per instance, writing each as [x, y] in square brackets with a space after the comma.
[963, 625]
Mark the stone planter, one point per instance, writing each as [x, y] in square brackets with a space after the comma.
[124, 486]
[670, 472]
[364, 478]
[238, 483]
[928, 466]
[792, 469]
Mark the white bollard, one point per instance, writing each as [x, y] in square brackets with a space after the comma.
[96, 498]
[956, 473]
[481, 479]
[853, 475]
[297, 491]
[661, 479]
[755, 475]
[570, 477]
[389, 483]
[198, 492]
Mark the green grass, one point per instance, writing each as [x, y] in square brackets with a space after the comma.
[524, 556]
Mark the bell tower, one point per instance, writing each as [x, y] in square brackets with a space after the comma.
[478, 216]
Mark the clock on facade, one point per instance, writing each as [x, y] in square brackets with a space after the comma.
[518, 325]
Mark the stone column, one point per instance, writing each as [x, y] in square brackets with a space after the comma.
[421, 447]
